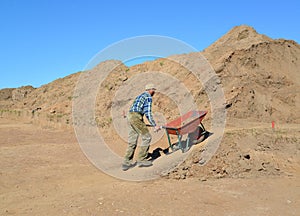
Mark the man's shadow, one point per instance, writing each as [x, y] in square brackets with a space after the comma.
[194, 139]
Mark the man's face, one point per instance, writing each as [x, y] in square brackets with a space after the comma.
[151, 92]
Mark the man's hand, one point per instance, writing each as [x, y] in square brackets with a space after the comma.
[157, 128]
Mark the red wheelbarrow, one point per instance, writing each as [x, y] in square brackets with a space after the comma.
[191, 124]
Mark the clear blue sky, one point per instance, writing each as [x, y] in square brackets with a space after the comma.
[43, 40]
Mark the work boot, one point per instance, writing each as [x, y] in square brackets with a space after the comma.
[127, 165]
[144, 163]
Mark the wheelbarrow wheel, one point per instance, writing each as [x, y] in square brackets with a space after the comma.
[197, 136]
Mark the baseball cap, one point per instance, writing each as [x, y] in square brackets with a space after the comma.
[150, 86]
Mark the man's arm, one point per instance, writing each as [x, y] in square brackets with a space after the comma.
[148, 111]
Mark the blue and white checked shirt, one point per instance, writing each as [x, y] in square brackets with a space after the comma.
[143, 104]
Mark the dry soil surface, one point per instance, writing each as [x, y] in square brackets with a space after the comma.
[44, 172]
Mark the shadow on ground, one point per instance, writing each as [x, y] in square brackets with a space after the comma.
[194, 140]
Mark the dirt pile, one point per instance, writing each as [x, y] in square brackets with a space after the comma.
[260, 76]
[239, 37]
[261, 82]
[247, 153]
[46, 105]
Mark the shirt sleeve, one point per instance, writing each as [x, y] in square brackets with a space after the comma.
[148, 111]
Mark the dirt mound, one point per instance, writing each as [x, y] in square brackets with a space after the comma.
[260, 79]
[247, 153]
[46, 105]
[263, 82]
[239, 37]
[6, 94]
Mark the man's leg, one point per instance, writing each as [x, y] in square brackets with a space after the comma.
[144, 148]
[139, 126]
[132, 143]
[133, 136]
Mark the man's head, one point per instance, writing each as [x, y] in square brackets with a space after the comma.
[150, 88]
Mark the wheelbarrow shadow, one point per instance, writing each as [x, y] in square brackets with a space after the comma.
[158, 152]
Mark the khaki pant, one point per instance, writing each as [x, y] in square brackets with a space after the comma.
[137, 127]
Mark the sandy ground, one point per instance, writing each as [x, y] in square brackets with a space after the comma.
[44, 172]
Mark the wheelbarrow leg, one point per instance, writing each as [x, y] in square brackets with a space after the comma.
[179, 141]
[170, 144]
[187, 144]
[204, 131]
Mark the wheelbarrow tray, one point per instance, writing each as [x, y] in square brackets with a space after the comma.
[185, 124]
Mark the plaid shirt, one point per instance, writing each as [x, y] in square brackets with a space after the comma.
[143, 104]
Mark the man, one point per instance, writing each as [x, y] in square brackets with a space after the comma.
[141, 106]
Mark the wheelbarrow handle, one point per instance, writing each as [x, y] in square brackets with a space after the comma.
[160, 127]
[171, 128]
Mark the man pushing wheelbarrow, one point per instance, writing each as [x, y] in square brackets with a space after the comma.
[141, 106]
[189, 123]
